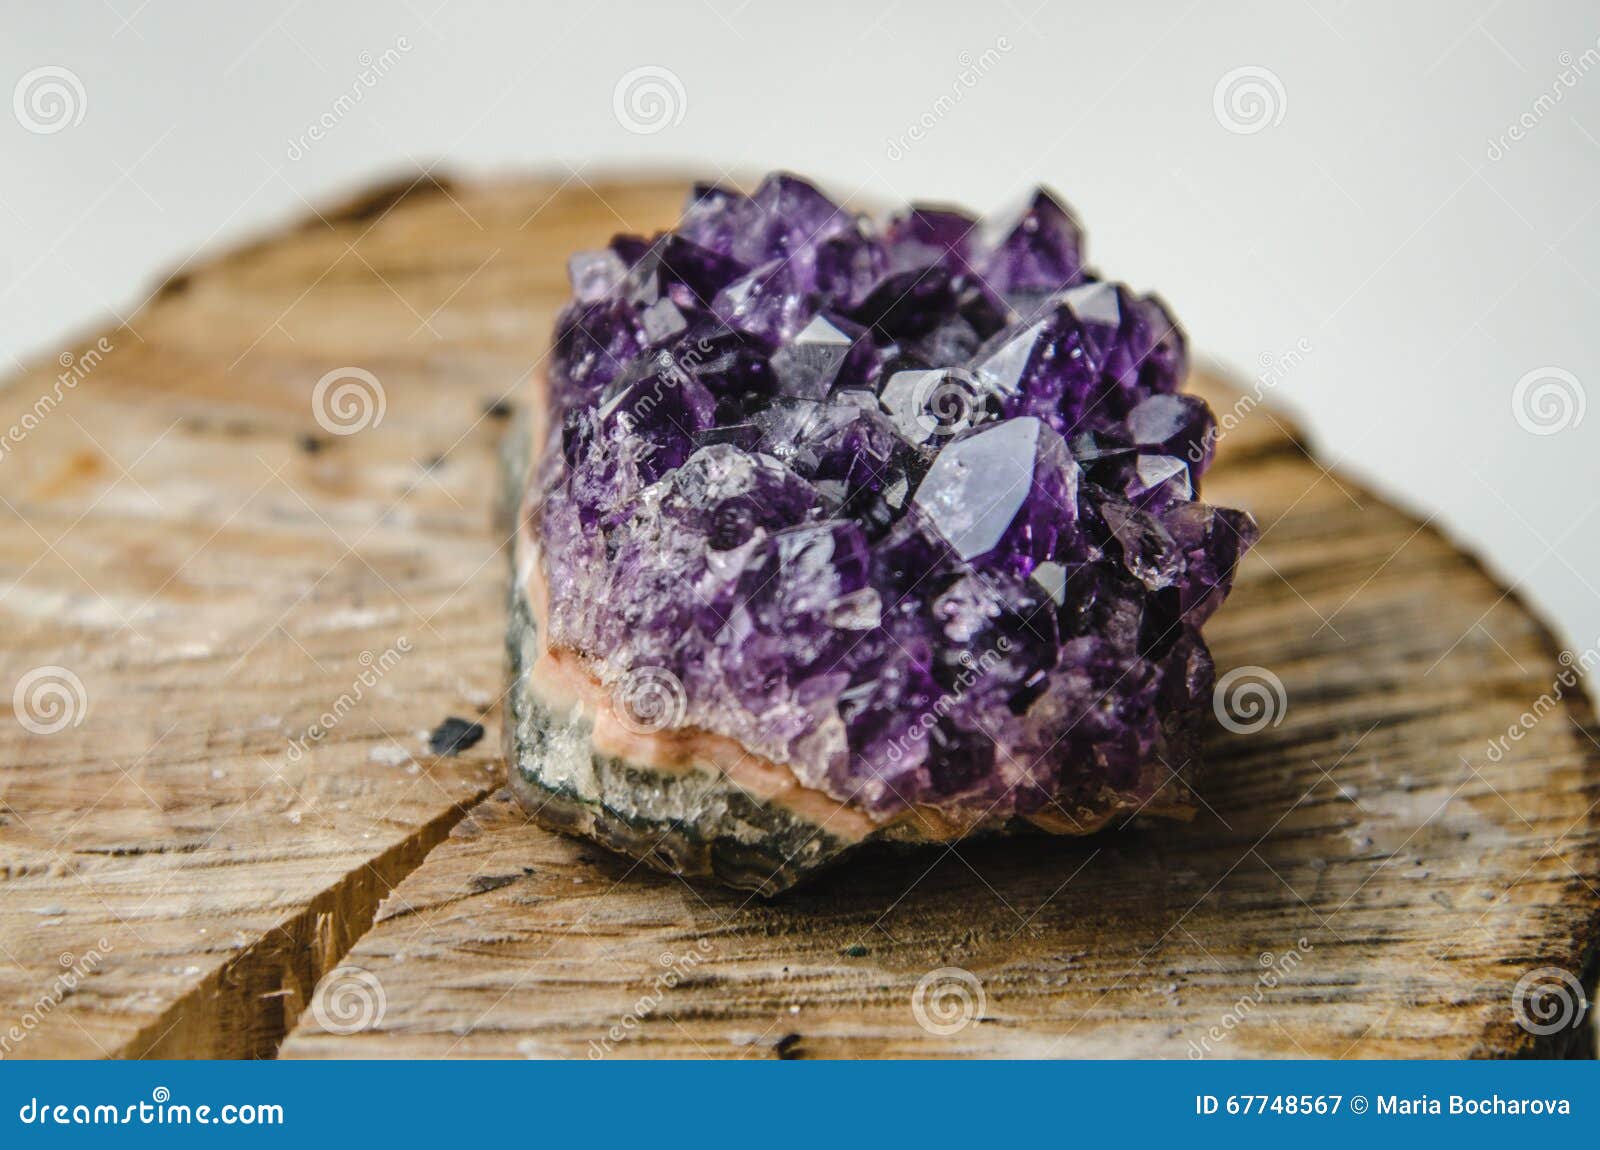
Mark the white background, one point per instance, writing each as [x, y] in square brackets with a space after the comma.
[1369, 216]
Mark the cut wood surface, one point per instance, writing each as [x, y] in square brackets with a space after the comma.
[199, 862]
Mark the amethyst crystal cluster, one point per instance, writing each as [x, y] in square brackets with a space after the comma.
[908, 507]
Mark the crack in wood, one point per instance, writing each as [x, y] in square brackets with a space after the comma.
[246, 1008]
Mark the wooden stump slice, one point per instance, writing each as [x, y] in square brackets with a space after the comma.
[1375, 873]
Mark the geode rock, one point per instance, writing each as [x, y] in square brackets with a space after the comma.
[829, 532]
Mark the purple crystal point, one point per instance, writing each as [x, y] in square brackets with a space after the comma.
[1180, 425]
[796, 218]
[1041, 249]
[768, 303]
[951, 233]
[910, 510]
[716, 217]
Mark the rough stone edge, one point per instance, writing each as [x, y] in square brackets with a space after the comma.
[763, 847]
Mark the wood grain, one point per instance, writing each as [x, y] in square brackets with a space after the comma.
[182, 535]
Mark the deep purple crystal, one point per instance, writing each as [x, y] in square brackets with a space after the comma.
[910, 507]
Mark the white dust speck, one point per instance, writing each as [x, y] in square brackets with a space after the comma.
[351, 619]
[389, 754]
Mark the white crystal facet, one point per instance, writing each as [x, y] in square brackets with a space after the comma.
[1094, 303]
[978, 484]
